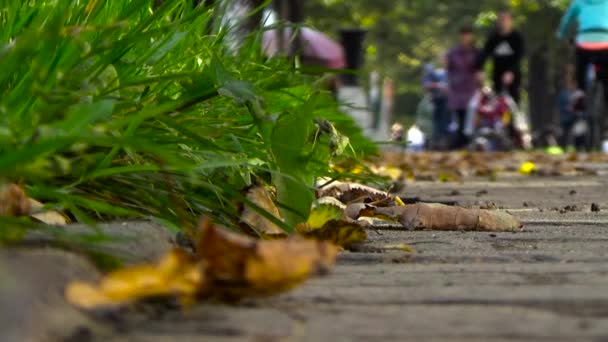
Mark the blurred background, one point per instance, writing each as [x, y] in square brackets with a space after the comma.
[402, 36]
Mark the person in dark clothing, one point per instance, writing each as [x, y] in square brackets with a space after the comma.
[505, 47]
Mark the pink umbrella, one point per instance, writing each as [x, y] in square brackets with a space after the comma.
[315, 46]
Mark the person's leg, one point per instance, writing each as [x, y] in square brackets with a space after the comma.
[498, 85]
[566, 138]
[444, 118]
[515, 91]
[582, 65]
[461, 117]
[437, 123]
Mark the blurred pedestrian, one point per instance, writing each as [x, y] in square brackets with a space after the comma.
[506, 48]
[435, 82]
[462, 80]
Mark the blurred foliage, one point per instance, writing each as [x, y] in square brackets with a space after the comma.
[403, 35]
[129, 109]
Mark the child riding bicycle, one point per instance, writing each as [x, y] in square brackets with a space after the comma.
[494, 122]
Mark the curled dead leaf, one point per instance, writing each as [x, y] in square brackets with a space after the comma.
[353, 210]
[14, 201]
[237, 266]
[349, 193]
[255, 221]
[425, 216]
[331, 201]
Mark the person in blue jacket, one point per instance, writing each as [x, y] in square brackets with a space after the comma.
[591, 37]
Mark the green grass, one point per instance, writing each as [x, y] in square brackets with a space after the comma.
[114, 109]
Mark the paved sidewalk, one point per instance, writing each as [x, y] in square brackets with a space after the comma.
[548, 283]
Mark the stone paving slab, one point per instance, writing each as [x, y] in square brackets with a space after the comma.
[521, 192]
[546, 283]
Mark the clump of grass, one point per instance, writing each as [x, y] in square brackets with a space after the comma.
[121, 109]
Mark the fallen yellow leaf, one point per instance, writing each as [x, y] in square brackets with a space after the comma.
[324, 213]
[399, 247]
[176, 274]
[227, 266]
[338, 232]
[527, 168]
[327, 222]
[86, 296]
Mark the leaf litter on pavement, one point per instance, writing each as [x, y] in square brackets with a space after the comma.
[231, 266]
[226, 265]
[457, 166]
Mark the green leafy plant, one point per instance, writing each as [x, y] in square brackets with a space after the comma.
[121, 109]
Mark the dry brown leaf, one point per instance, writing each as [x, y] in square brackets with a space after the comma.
[353, 211]
[237, 266]
[349, 193]
[260, 196]
[14, 201]
[227, 265]
[425, 216]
